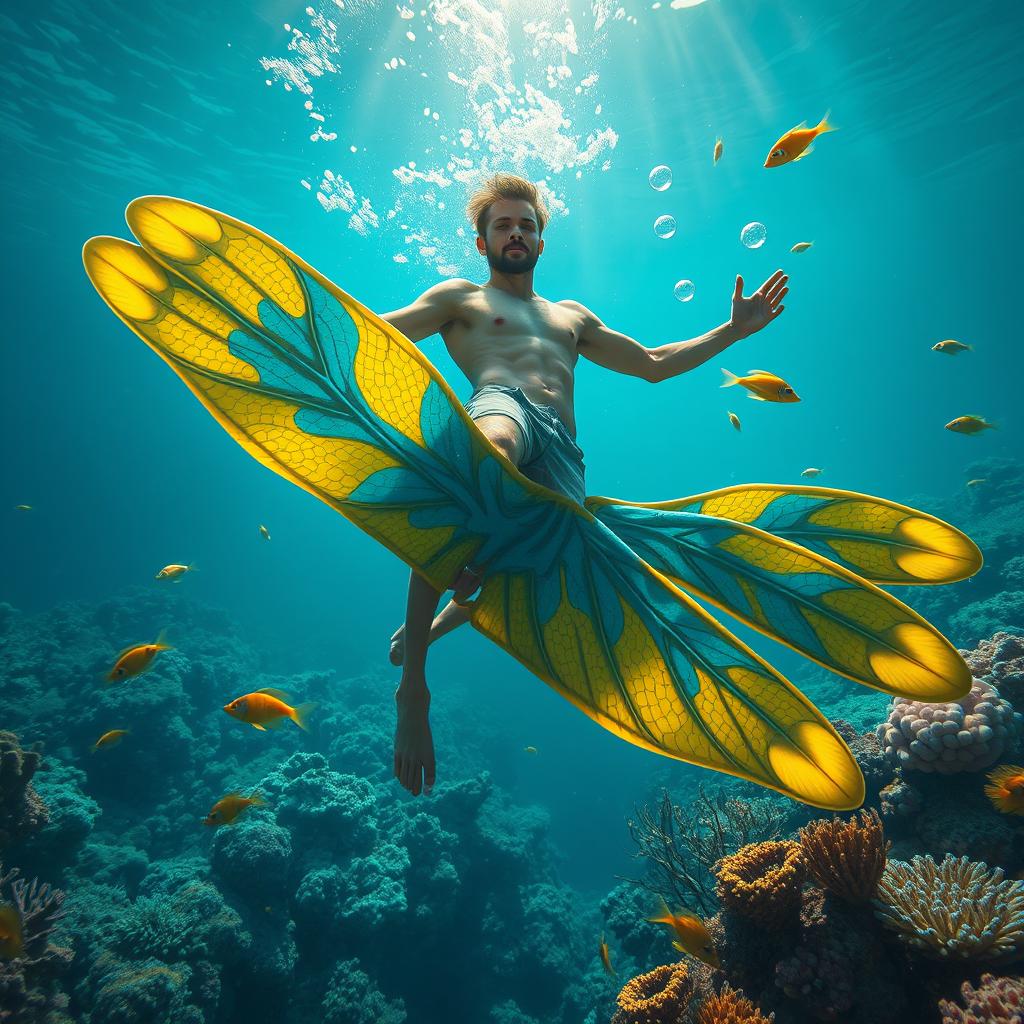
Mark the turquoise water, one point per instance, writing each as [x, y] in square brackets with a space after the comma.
[295, 120]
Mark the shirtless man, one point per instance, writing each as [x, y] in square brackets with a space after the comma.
[519, 351]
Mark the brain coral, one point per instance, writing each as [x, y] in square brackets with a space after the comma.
[660, 996]
[995, 1001]
[762, 882]
[958, 909]
[961, 736]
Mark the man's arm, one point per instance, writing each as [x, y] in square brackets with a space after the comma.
[616, 351]
[431, 311]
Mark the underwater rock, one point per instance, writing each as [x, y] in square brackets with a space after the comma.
[956, 910]
[963, 830]
[1002, 612]
[140, 992]
[353, 997]
[252, 858]
[900, 802]
[994, 1001]
[72, 813]
[1000, 661]
[22, 811]
[960, 736]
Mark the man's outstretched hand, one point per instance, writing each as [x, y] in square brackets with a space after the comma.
[750, 315]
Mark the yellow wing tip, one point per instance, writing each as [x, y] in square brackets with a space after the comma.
[815, 766]
[173, 228]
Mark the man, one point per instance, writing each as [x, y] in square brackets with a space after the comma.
[519, 351]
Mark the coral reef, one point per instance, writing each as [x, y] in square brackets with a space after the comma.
[1000, 661]
[22, 811]
[954, 910]
[660, 996]
[900, 802]
[762, 882]
[846, 858]
[731, 1007]
[352, 998]
[30, 991]
[994, 1001]
[960, 736]
[877, 767]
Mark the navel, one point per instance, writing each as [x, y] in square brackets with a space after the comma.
[499, 320]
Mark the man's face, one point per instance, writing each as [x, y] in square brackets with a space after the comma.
[512, 244]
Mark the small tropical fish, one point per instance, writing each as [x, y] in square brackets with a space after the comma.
[110, 739]
[602, 952]
[951, 347]
[796, 143]
[174, 572]
[133, 661]
[1006, 788]
[22, 508]
[969, 425]
[762, 385]
[735, 421]
[811, 471]
[801, 247]
[691, 935]
[977, 480]
[530, 750]
[268, 708]
[718, 149]
[264, 532]
[12, 941]
[229, 807]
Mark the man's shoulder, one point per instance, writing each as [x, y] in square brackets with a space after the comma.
[576, 307]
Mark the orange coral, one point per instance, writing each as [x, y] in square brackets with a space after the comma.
[846, 858]
[659, 997]
[762, 882]
[731, 1007]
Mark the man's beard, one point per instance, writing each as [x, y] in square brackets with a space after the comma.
[508, 264]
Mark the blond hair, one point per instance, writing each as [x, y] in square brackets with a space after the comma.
[504, 186]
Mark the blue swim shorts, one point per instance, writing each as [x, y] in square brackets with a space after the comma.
[551, 457]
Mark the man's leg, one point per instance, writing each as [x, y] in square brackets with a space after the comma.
[505, 434]
[414, 745]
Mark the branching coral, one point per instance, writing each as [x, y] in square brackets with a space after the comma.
[762, 882]
[683, 845]
[28, 984]
[846, 858]
[731, 1007]
[660, 996]
[22, 812]
[958, 909]
[959, 736]
[995, 1001]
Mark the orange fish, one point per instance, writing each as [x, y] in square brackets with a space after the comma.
[1006, 788]
[12, 941]
[174, 572]
[969, 425]
[718, 149]
[691, 935]
[133, 661]
[602, 952]
[796, 143]
[268, 708]
[110, 739]
[264, 532]
[229, 807]
[762, 385]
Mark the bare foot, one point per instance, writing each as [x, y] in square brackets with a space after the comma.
[397, 653]
[415, 767]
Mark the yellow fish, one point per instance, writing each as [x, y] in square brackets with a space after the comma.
[22, 508]
[762, 385]
[718, 149]
[174, 572]
[735, 421]
[12, 941]
[602, 952]
[969, 425]
[801, 247]
[1006, 788]
[229, 807]
[264, 532]
[530, 750]
[977, 480]
[268, 709]
[691, 935]
[135, 660]
[110, 739]
[951, 347]
[811, 471]
[796, 143]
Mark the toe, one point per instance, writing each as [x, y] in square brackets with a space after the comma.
[431, 775]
